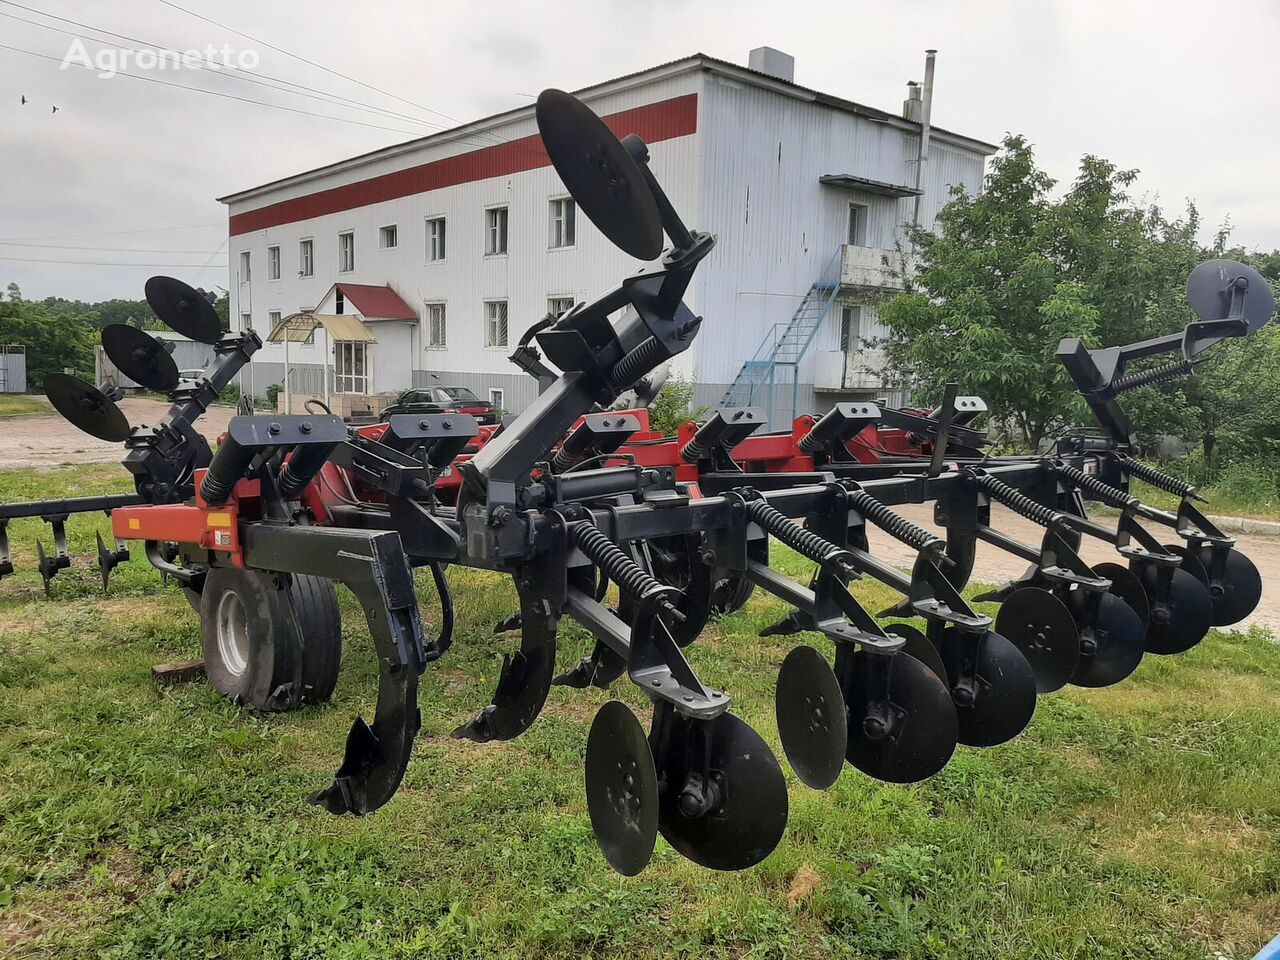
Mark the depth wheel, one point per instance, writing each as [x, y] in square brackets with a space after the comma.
[250, 654]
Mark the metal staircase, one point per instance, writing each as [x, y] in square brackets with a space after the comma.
[784, 346]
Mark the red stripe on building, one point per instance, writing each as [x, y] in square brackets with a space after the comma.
[653, 123]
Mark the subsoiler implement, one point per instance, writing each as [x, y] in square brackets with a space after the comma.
[571, 496]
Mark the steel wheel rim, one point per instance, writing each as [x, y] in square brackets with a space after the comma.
[233, 634]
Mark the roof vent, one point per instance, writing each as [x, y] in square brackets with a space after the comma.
[773, 62]
[913, 106]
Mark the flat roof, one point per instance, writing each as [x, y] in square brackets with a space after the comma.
[697, 61]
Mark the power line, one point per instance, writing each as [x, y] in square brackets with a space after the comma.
[257, 79]
[100, 263]
[217, 93]
[60, 246]
[117, 233]
[301, 59]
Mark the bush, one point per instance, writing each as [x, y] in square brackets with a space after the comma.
[273, 394]
[673, 406]
[230, 394]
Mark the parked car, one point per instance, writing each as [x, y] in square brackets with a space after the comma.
[442, 400]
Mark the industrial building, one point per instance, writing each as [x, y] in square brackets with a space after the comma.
[422, 263]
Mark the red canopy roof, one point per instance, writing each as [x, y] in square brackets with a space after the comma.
[376, 303]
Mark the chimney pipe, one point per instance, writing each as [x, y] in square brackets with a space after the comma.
[926, 111]
[911, 105]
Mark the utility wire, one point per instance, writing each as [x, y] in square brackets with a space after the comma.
[217, 93]
[117, 233]
[255, 78]
[60, 246]
[100, 263]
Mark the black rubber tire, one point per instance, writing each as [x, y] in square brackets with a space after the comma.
[248, 655]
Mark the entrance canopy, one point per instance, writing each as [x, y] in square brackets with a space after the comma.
[301, 327]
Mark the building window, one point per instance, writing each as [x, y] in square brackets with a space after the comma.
[339, 301]
[495, 221]
[435, 239]
[246, 321]
[306, 265]
[562, 222]
[273, 263]
[346, 252]
[435, 325]
[387, 237]
[350, 367]
[496, 398]
[857, 225]
[850, 328]
[273, 319]
[559, 306]
[495, 328]
[245, 275]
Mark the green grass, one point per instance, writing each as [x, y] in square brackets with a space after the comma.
[21, 405]
[1244, 490]
[139, 821]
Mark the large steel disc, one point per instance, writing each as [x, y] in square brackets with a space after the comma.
[1114, 647]
[1190, 561]
[183, 308]
[751, 814]
[622, 788]
[1181, 620]
[1209, 292]
[907, 738]
[86, 407]
[1126, 585]
[920, 647]
[1041, 626]
[1237, 594]
[992, 685]
[601, 176]
[140, 357]
[812, 723]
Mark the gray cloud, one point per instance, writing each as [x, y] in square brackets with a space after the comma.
[1161, 86]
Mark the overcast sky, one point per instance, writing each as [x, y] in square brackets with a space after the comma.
[1185, 91]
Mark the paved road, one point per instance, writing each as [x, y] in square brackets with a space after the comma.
[50, 441]
[996, 566]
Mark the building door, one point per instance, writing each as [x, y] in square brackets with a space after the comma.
[351, 367]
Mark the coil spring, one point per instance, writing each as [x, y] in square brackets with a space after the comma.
[804, 542]
[1157, 478]
[894, 524]
[638, 362]
[1169, 371]
[563, 460]
[809, 443]
[1017, 501]
[695, 449]
[291, 484]
[618, 567]
[1111, 496]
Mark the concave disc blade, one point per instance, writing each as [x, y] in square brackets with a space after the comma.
[812, 723]
[1237, 594]
[1041, 626]
[1113, 648]
[601, 176]
[751, 816]
[1190, 561]
[182, 308]
[1126, 585]
[1209, 293]
[992, 685]
[920, 647]
[1181, 620]
[86, 407]
[622, 788]
[911, 736]
[140, 357]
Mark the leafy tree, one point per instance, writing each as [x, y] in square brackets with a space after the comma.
[1013, 270]
[53, 341]
[673, 406]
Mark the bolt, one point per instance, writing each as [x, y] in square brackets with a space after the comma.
[273, 428]
[875, 727]
[424, 424]
[305, 426]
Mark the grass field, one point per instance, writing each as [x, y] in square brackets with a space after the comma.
[139, 821]
[21, 405]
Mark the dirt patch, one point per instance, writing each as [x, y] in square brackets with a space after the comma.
[803, 884]
[48, 440]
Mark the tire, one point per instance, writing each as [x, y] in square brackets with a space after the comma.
[249, 655]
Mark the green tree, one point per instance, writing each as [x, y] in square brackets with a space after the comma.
[1010, 272]
[53, 341]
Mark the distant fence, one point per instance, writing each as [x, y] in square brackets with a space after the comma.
[13, 368]
[188, 355]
